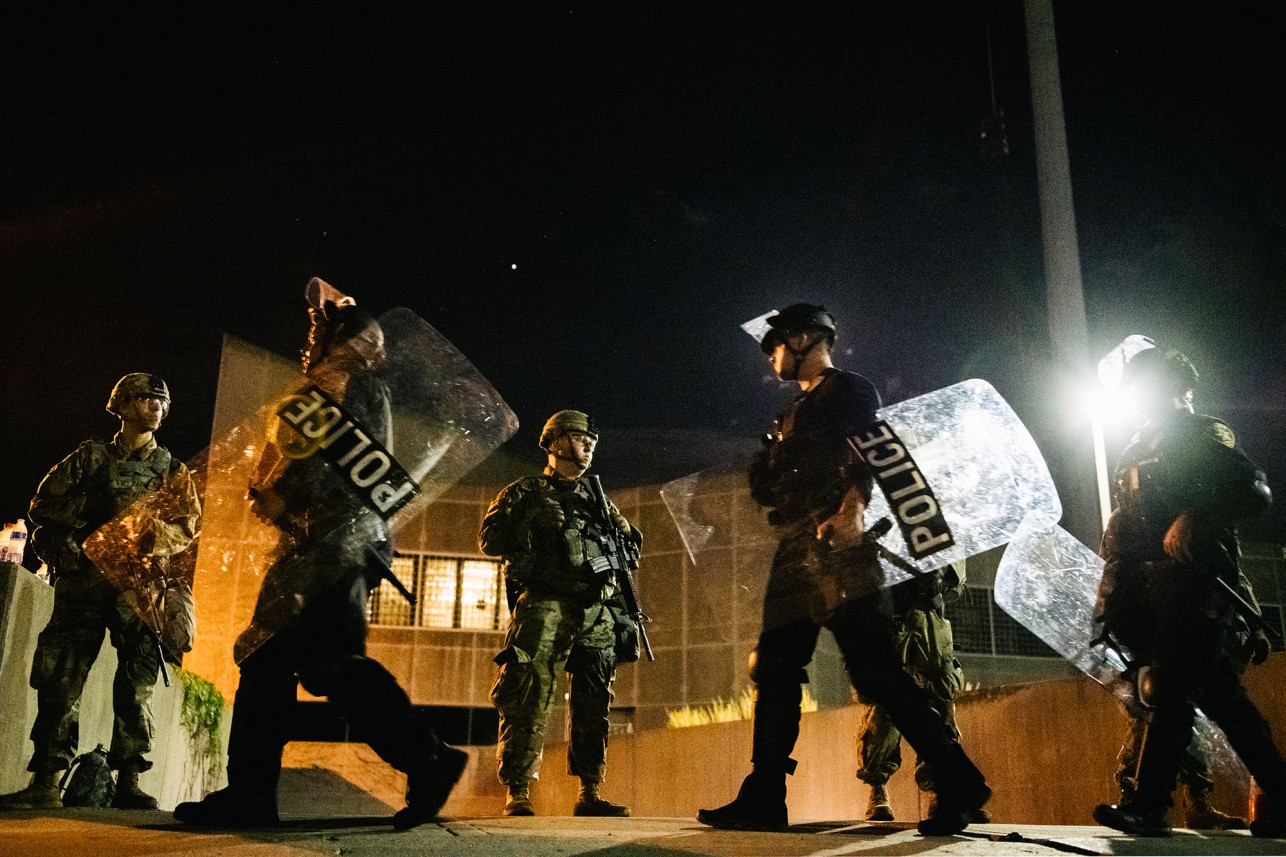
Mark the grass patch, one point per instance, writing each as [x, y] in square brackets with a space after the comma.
[740, 707]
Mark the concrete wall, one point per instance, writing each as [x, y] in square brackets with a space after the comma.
[1048, 749]
[179, 769]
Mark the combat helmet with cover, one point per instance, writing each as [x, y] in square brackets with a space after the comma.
[138, 384]
[565, 422]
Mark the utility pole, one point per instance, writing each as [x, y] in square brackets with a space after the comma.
[1065, 296]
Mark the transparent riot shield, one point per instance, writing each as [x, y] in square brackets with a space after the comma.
[1048, 581]
[148, 552]
[311, 474]
[957, 461]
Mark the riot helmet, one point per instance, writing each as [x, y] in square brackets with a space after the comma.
[138, 384]
[565, 422]
[1164, 369]
[797, 318]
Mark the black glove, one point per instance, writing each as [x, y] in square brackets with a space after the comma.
[1260, 647]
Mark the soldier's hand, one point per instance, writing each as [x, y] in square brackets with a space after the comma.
[1179, 538]
[620, 522]
[549, 517]
[1260, 648]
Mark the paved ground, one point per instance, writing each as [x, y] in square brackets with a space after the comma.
[113, 833]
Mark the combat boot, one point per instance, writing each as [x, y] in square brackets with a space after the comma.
[1131, 819]
[41, 794]
[519, 800]
[427, 789]
[590, 802]
[760, 805]
[231, 807]
[1202, 815]
[1268, 828]
[978, 815]
[877, 808]
[128, 794]
[962, 792]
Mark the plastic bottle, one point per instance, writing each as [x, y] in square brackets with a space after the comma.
[14, 542]
[4, 542]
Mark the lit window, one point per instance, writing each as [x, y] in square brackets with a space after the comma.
[451, 592]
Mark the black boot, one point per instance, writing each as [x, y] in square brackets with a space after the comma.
[428, 788]
[962, 792]
[760, 805]
[1131, 819]
[230, 807]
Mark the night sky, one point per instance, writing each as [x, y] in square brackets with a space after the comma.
[588, 199]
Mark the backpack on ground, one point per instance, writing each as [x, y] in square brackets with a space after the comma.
[91, 781]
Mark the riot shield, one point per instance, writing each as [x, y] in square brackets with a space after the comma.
[148, 552]
[311, 474]
[1048, 581]
[963, 442]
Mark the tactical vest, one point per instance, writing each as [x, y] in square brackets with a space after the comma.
[566, 564]
[112, 484]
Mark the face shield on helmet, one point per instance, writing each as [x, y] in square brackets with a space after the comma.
[772, 328]
[1159, 379]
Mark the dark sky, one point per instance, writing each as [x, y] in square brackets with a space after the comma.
[657, 173]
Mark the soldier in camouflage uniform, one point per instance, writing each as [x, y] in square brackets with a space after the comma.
[549, 530]
[928, 654]
[82, 493]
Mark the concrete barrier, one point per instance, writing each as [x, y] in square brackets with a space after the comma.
[182, 767]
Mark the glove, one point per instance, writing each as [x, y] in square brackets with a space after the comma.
[621, 523]
[548, 517]
[1260, 648]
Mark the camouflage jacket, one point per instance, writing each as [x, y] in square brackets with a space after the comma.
[556, 562]
[99, 481]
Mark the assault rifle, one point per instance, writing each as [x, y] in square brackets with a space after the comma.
[624, 559]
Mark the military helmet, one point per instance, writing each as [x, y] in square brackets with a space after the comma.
[565, 422]
[797, 318]
[137, 384]
[1164, 366]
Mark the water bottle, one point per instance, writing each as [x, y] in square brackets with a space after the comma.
[13, 542]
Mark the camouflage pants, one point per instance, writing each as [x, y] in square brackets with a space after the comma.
[926, 657]
[547, 635]
[85, 606]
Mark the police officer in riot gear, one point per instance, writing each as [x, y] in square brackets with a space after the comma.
[1166, 597]
[81, 494]
[817, 489]
[314, 600]
[565, 615]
